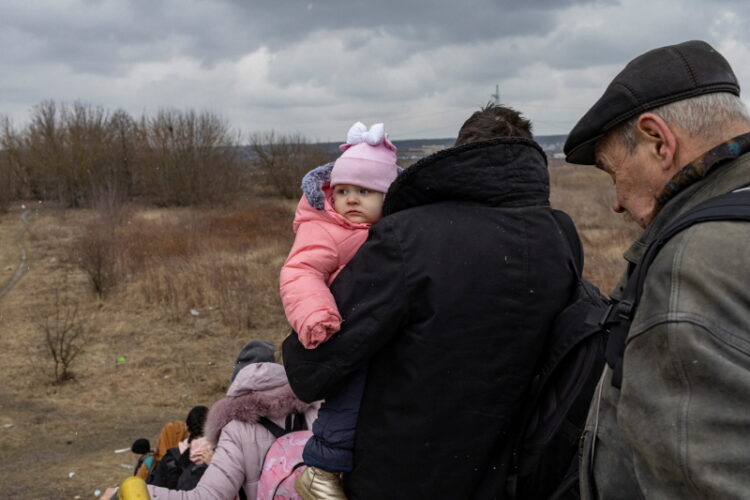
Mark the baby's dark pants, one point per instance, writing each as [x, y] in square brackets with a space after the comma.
[331, 447]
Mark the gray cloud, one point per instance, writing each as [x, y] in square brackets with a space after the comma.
[317, 66]
[106, 36]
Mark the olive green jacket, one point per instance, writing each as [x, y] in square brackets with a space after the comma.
[680, 426]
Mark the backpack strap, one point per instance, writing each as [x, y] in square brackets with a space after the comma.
[294, 422]
[274, 429]
[734, 206]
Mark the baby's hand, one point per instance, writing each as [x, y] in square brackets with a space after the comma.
[321, 330]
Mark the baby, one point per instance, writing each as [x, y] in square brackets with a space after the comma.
[329, 230]
[329, 233]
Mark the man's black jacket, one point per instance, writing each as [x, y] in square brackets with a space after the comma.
[448, 302]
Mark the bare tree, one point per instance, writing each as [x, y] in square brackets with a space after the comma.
[187, 158]
[71, 154]
[9, 181]
[282, 160]
[81, 154]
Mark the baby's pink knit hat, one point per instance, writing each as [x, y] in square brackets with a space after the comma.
[368, 159]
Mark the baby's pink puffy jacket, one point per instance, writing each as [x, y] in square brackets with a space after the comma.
[325, 242]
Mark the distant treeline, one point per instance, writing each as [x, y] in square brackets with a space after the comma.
[81, 155]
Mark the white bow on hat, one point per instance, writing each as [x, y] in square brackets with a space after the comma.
[358, 133]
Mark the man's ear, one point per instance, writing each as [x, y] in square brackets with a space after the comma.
[659, 138]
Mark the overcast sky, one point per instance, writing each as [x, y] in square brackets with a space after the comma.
[315, 67]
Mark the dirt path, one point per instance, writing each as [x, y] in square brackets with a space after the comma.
[23, 265]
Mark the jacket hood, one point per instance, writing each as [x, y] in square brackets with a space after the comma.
[507, 172]
[259, 390]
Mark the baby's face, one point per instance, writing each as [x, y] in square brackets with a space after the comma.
[358, 204]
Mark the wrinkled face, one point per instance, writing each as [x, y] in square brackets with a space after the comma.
[358, 204]
[638, 180]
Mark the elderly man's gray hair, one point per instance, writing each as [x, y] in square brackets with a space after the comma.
[703, 116]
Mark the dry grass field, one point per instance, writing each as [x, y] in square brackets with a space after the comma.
[181, 291]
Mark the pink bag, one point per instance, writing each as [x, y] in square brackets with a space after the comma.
[282, 465]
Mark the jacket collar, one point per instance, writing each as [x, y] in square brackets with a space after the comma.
[506, 172]
[701, 166]
[732, 175]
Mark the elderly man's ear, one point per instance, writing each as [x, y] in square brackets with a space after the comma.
[660, 140]
[663, 141]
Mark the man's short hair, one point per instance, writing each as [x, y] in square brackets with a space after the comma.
[492, 122]
[703, 116]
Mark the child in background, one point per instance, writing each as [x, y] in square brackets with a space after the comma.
[141, 448]
[329, 231]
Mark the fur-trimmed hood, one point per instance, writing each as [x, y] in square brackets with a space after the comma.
[259, 390]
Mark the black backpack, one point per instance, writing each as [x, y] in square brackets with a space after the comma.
[619, 316]
[167, 472]
[544, 450]
[544, 459]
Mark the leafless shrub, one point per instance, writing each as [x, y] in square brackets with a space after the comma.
[282, 160]
[64, 333]
[96, 252]
[109, 203]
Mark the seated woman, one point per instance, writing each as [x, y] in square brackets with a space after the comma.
[141, 448]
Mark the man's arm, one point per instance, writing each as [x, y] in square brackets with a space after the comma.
[371, 293]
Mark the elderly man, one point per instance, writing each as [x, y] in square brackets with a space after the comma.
[673, 421]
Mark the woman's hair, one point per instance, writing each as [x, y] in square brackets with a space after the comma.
[195, 421]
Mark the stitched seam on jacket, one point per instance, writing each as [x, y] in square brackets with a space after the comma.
[673, 332]
[730, 338]
[673, 343]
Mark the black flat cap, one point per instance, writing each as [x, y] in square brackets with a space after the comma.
[658, 77]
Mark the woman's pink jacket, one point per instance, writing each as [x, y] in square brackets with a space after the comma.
[260, 389]
[325, 242]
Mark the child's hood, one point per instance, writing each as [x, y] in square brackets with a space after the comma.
[316, 203]
[313, 182]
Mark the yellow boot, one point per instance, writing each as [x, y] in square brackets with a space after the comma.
[318, 484]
